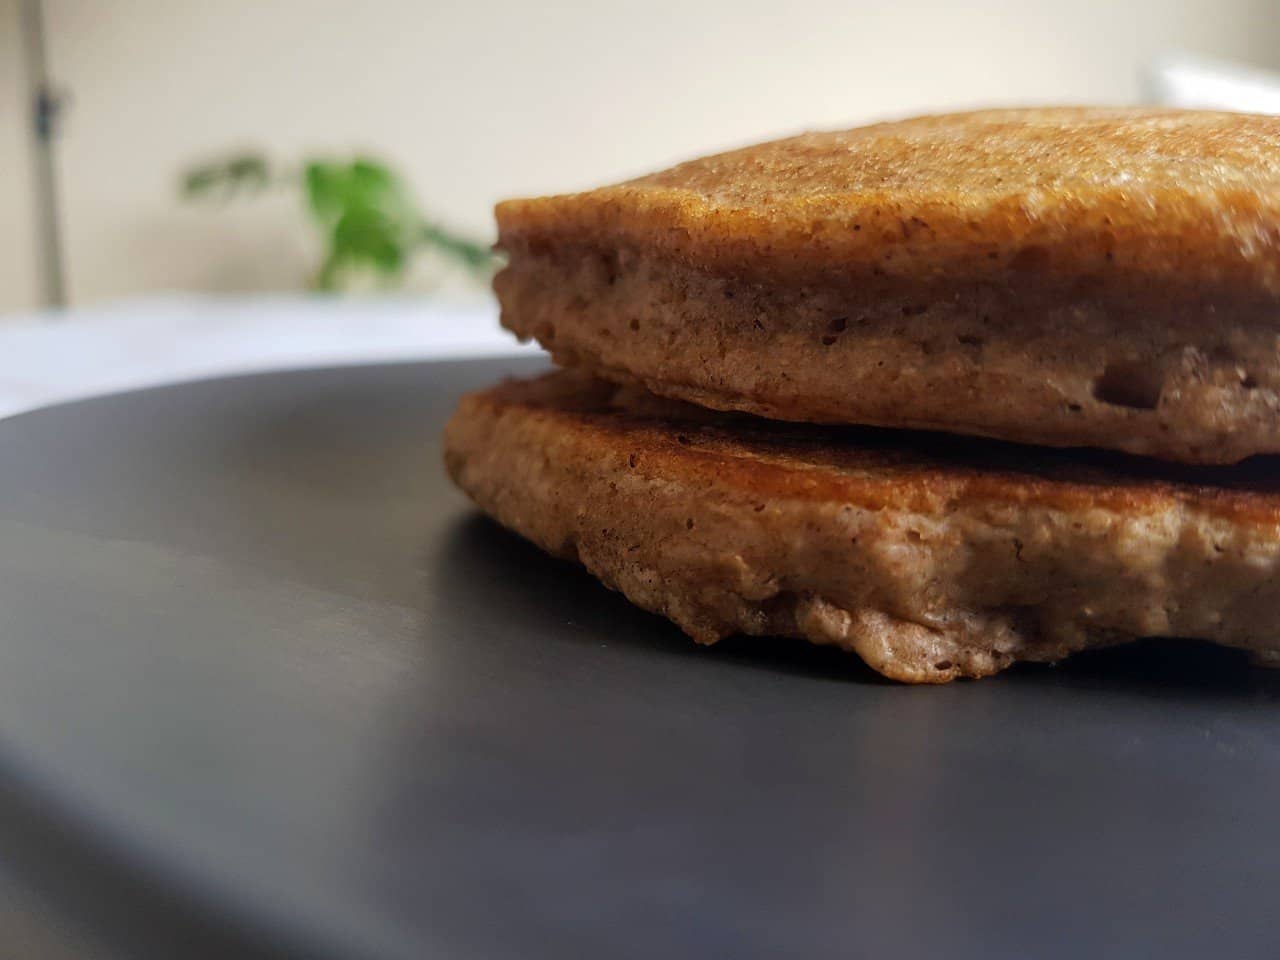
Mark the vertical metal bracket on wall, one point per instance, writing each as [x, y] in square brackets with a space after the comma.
[46, 106]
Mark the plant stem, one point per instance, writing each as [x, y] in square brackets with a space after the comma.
[474, 256]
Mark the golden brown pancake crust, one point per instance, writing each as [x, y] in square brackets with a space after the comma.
[932, 557]
[1108, 277]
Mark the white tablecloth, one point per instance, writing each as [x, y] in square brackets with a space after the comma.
[50, 357]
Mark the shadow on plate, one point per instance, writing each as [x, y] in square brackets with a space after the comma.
[482, 559]
[519, 578]
[1162, 668]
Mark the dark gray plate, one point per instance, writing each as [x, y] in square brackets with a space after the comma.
[267, 683]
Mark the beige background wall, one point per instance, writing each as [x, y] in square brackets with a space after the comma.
[479, 100]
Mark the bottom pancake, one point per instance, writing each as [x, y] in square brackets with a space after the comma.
[931, 557]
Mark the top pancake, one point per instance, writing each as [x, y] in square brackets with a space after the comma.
[1165, 191]
[1067, 276]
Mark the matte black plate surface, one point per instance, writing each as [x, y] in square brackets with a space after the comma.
[264, 677]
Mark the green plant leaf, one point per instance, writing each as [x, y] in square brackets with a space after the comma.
[200, 180]
[374, 185]
[372, 179]
[323, 183]
[248, 170]
[367, 236]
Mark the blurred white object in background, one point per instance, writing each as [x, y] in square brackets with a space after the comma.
[149, 341]
[1199, 83]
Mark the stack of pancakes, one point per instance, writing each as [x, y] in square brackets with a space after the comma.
[950, 392]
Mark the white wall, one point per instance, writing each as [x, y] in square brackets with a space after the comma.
[482, 100]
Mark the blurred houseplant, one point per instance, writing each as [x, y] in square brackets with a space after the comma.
[364, 211]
